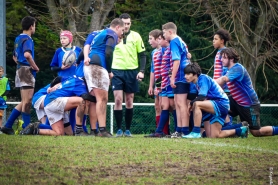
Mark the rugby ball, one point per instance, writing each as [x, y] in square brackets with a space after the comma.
[69, 58]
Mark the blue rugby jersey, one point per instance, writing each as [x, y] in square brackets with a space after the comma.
[206, 86]
[98, 46]
[179, 52]
[240, 86]
[73, 86]
[23, 43]
[58, 59]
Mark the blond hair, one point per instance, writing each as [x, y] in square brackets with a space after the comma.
[169, 26]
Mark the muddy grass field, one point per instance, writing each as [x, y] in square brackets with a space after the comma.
[137, 160]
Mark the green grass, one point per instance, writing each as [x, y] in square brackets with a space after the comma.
[137, 160]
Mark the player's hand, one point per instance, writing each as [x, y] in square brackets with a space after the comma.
[140, 76]
[189, 55]
[156, 91]
[172, 82]
[63, 67]
[111, 75]
[36, 69]
[150, 91]
[87, 61]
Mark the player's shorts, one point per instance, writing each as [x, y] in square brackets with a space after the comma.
[125, 80]
[55, 110]
[25, 76]
[40, 112]
[167, 92]
[96, 77]
[249, 114]
[181, 88]
[191, 96]
[221, 111]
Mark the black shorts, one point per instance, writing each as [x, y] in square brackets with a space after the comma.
[125, 80]
[181, 88]
[249, 114]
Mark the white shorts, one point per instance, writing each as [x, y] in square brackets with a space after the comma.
[40, 112]
[24, 77]
[55, 110]
[96, 77]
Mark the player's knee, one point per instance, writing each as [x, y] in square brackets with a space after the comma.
[256, 133]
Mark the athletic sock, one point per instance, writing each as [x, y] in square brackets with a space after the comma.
[196, 129]
[164, 118]
[47, 121]
[102, 129]
[185, 130]
[72, 118]
[275, 130]
[44, 126]
[26, 119]
[78, 129]
[166, 129]
[119, 118]
[13, 116]
[95, 131]
[175, 120]
[157, 118]
[178, 129]
[230, 127]
[128, 118]
[238, 132]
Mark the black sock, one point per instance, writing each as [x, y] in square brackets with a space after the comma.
[128, 118]
[78, 129]
[94, 130]
[119, 118]
[102, 129]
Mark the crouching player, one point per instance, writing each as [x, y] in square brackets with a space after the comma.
[211, 104]
[64, 98]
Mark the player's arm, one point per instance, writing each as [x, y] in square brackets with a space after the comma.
[86, 51]
[142, 60]
[222, 80]
[109, 53]
[30, 60]
[80, 58]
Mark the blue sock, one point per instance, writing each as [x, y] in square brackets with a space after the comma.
[26, 119]
[175, 119]
[196, 129]
[164, 117]
[47, 121]
[234, 126]
[45, 126]
[178, 129]
[84, 124]
[13, 116]
[238, 132]
[185, 130]
[72, 119]
[275, 131]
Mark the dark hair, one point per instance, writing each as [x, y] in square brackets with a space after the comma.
[193, 68]
[230, 53]
[117, 22]
[223, 34]
[27, 22]
[156, 33]
[125, 16]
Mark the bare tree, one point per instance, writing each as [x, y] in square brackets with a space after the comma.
[252, 24]
[78, 16]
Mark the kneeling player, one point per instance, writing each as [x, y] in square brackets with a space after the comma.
[211, 104]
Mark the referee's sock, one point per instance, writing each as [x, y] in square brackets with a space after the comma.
[13, 116]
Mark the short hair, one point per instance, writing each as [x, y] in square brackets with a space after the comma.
[117, 22]
[125, 16]
[169, 25]
[231, 53]
[223, 34]
[27, 22]
[1, 67]
[193, 68]
[156, 33]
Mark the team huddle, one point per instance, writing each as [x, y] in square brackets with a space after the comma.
[201, 106]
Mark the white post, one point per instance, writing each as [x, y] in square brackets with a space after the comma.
[111, 118]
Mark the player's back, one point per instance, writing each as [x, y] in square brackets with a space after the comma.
[23, 42]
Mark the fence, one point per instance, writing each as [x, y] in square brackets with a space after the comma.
[144, 117]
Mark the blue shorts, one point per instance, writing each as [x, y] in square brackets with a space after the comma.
[220, 110]
[167, 92]
[125, 80]
[181, 88]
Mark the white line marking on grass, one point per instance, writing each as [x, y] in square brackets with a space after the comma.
[236, 146]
